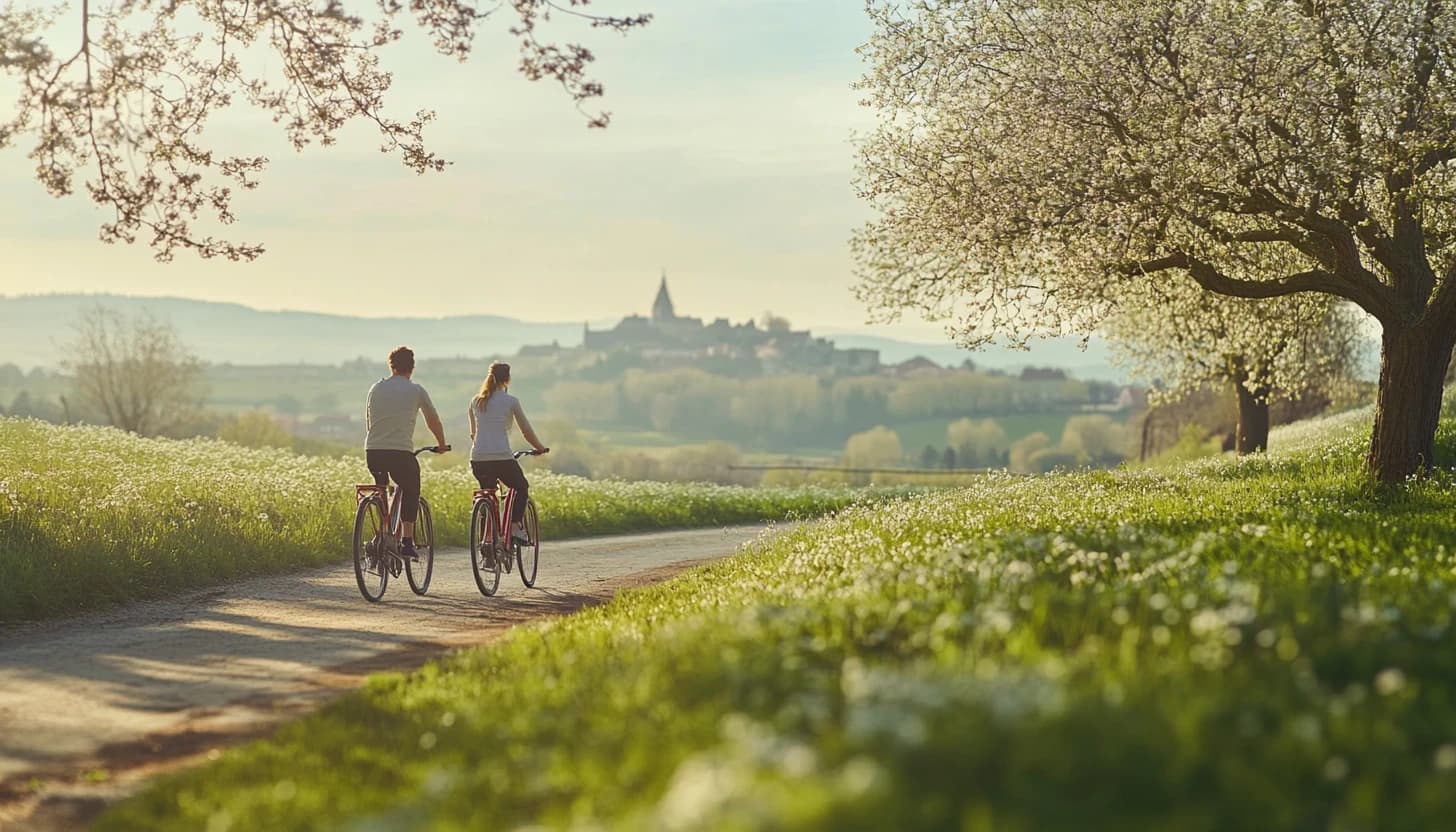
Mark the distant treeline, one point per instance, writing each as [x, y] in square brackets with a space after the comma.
[803, 409]
[771, 412]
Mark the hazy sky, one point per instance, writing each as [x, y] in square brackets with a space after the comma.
[728, 163]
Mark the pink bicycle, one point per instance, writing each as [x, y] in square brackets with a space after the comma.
[492, 548]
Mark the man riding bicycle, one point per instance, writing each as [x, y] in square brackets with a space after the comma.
[389, 423]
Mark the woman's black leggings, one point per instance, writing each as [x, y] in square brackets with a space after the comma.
[405, 468]
[509, 472]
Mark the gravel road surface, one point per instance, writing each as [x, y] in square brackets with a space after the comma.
[91, 706]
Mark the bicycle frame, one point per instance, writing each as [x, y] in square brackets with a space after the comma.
[385, 493]
[389, 495]
[500, 508]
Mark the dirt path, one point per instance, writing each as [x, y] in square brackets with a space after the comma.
[91, 706]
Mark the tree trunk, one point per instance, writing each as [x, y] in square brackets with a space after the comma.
[1253, 431]
[1413, 364]
[1146, 450]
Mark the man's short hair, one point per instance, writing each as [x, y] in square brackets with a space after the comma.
[402, 360]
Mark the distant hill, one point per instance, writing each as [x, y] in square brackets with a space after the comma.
[32, 327]
[1095, 362]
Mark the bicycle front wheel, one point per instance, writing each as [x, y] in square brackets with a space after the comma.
[420, 572]
[527, 557]
[485, 563]
[371, 560]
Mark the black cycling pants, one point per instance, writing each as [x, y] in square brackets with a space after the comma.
[404, 467]
[509, 472]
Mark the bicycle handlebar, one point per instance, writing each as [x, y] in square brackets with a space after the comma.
[436, 449]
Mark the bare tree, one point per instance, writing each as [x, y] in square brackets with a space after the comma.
[135, 371]
[129, 86]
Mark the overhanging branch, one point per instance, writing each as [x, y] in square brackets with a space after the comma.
[1369, 298]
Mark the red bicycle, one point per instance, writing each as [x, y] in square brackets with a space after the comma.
[492, 548]
[376, 540]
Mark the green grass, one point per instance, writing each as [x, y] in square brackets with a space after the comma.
[1262, 644]
[90, 516]
[914, 435]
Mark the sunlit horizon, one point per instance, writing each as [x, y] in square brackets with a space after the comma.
[728, 163]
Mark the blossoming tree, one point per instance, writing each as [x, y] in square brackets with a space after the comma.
[1267, 350]
[120, 92]
[1037, 164]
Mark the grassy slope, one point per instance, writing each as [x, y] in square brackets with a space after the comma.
[1259, 645]
[91, 515]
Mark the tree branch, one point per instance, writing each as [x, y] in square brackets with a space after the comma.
[1440, 314]
[1316, 280]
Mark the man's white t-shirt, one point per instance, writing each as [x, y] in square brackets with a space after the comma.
[390, 414]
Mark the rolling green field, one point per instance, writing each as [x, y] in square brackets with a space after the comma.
[914, 435]
[918, 433]
[90, 516]
[1261, 644]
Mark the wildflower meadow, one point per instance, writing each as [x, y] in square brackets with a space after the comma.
[91, 515]
[1255, 644]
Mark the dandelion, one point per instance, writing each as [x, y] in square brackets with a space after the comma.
[1389, 681]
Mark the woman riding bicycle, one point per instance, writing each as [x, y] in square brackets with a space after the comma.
[491, 413]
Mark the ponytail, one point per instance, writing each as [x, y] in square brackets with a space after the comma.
[496, 378]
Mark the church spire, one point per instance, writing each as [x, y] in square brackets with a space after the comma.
[662, 307]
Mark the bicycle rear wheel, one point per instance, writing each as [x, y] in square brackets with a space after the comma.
[485, 564]
[371, 560]
[420, 572]
[527, 557]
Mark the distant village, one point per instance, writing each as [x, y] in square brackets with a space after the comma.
[665, 338]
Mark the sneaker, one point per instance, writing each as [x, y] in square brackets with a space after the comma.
[407, 550]
[520, 536]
